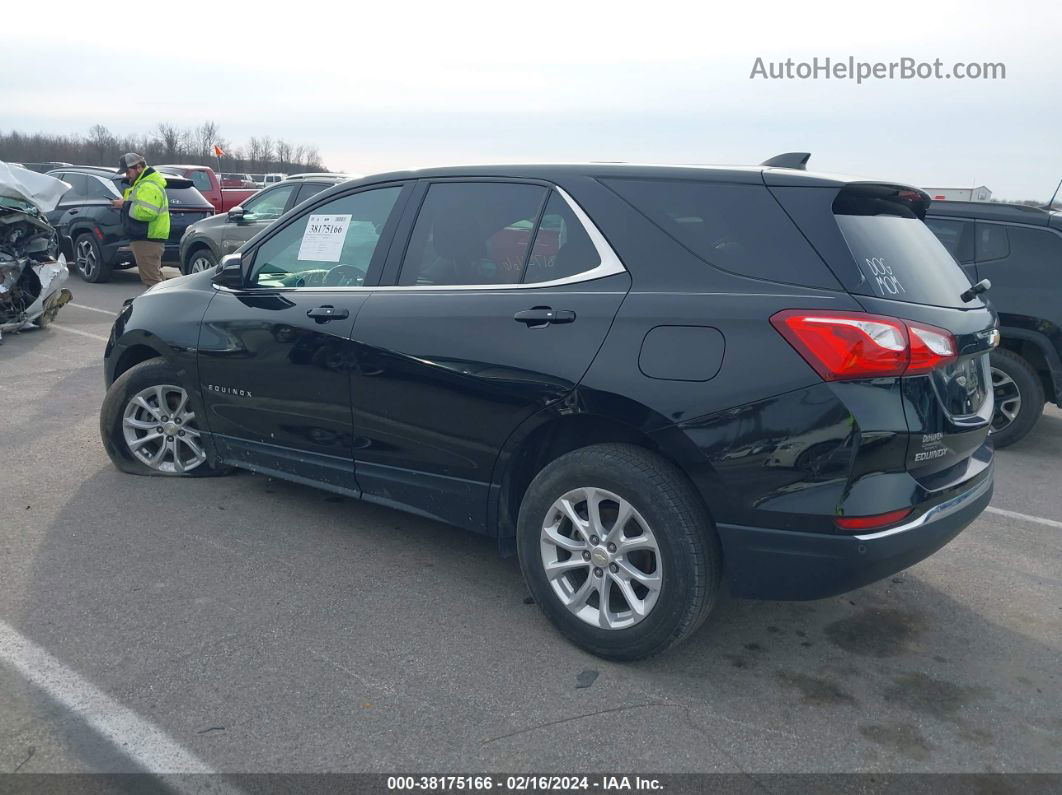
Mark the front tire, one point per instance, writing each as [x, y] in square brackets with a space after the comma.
[149, 426]
[202, 259]
[1019, 397]
[88, 259]
[618, 551]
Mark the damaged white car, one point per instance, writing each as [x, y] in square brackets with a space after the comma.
[32, 255]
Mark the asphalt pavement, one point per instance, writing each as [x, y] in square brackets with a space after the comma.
[244, 624]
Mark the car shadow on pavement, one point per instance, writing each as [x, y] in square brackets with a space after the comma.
[249, 602]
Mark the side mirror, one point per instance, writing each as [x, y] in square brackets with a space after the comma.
[229, 272]
[236, 214]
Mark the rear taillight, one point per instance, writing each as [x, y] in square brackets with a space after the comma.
[876, 522]
[931, 347]
[841, 346]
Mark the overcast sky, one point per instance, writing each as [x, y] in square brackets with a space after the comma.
[457, 82]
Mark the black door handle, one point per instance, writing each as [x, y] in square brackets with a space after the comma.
[322, 314]
[543, 316]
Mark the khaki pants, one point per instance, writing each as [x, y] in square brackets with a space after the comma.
[148, 255]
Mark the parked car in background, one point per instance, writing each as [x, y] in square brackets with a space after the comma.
[237, 181]
[638, 378]
[85, 214]
[206, 182]
[206, 242]
[43, 168]
[1019, 249]
[321, 175]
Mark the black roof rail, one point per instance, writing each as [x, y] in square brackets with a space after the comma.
[797, 160]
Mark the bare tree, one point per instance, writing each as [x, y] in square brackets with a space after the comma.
[254, 152]
[284, 150]
[102, 143]
[268, 153]
[169, 138]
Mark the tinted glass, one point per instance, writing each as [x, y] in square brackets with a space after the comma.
[562, 246]
[472, 233]
[98, 189]
[200, 179]
[899, 258]
[78, 187]
[186, 198]
[956, 236]
[992, 242]
[737, 228]
[268, 205]
[332, 245]
[309, 189]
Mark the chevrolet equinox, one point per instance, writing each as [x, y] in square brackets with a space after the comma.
[640, 379]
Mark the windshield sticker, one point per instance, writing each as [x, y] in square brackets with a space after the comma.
[884, 278]
[324, 237]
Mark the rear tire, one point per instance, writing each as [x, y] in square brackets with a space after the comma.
[88, 259]
[1019, 397]
[668, 534]
[149, 426]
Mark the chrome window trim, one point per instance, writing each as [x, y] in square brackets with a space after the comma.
[610, 265]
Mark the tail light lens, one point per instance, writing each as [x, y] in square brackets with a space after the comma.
[842, 346]
[856, 523]
[931, 347]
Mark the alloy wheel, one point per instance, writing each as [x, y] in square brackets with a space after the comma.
[601, 558]
[160, 430]
[199, 263]
[1007, 398]
[85, 259]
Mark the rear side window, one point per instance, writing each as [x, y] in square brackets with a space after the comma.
[562, 246]
[993, 242]
[737, 228]
[470, 233]
[78, 187]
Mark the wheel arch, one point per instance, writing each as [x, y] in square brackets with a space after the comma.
[195, 245]
[1041, 355]
[555, 434]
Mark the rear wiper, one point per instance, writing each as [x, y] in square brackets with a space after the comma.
[982, 286]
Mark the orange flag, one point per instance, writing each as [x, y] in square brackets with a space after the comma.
[217, 151]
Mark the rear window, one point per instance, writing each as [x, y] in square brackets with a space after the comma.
[897, 255]
[736, 228]
[187, 198]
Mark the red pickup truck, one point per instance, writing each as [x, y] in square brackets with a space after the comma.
[207, 182]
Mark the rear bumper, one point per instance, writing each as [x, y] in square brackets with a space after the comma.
[782, 564]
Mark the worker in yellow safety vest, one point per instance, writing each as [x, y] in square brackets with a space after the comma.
[145, 215]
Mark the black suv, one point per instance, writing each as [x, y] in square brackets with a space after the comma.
[1019, 249]
[86, 216]
[637, 378]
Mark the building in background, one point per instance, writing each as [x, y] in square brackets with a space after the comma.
[978, 194]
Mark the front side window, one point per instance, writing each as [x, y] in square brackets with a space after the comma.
[329, 246]
[957, 236]
[268, 205]
[472, 233]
